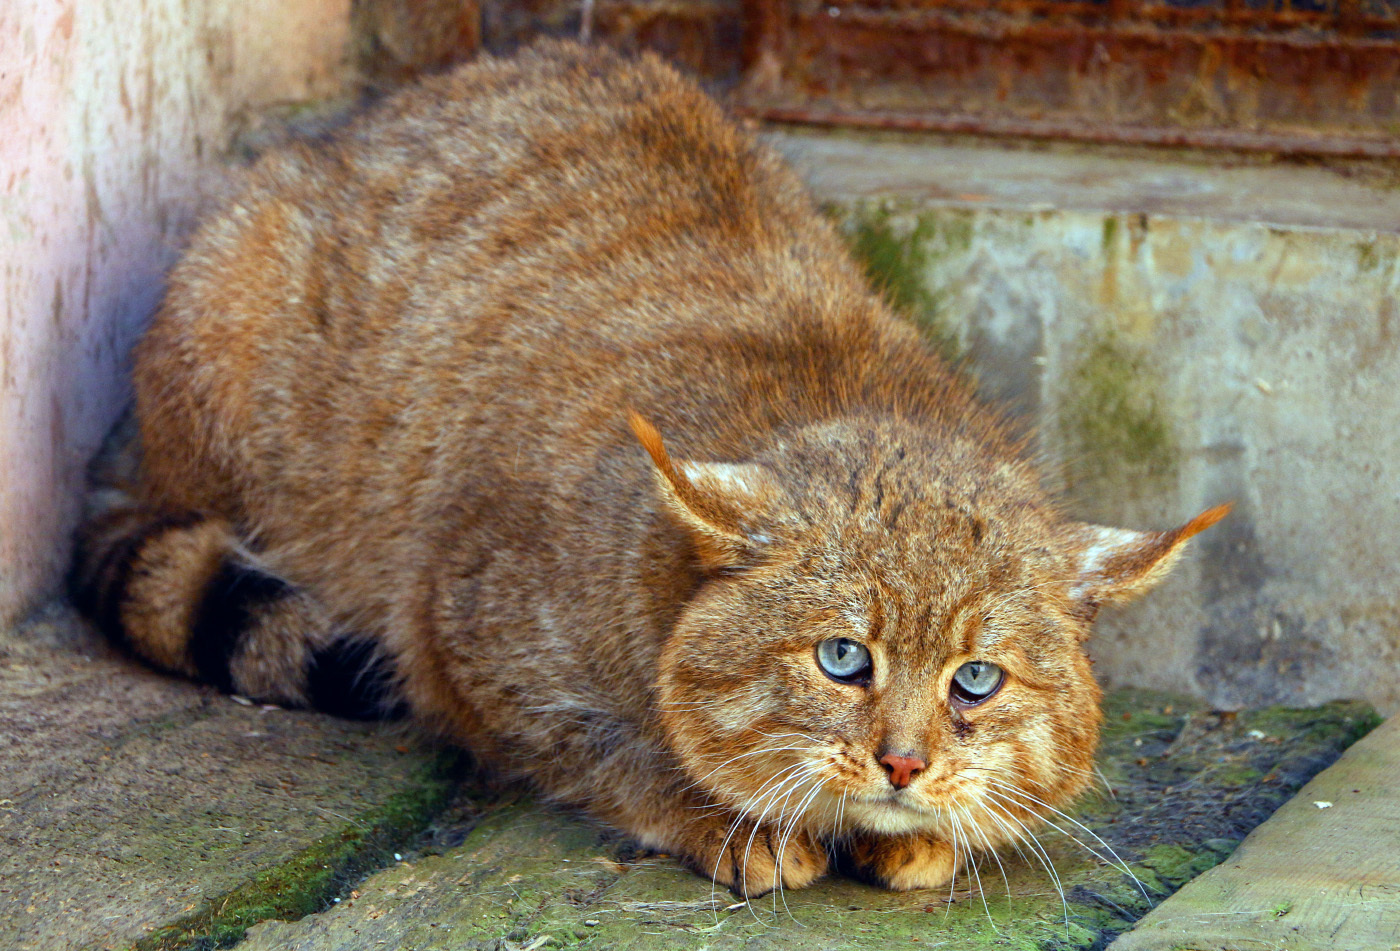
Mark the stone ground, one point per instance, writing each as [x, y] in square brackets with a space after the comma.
[139, 809]
[140, 812]
[1323, 873]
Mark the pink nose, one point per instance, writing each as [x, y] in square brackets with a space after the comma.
[902, 769]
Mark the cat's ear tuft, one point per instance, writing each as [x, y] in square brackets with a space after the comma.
[1115, 564]
[722, 504]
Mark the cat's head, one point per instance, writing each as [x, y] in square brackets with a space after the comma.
[891, 634]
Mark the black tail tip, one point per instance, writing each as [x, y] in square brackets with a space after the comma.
[349, 678]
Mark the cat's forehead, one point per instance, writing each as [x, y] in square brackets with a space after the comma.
[855, 477]
[897, 586]
[946, 536]
[896, 522]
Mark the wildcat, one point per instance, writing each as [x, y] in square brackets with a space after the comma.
[539, 402]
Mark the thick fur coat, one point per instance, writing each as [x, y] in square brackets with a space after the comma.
[541, 402]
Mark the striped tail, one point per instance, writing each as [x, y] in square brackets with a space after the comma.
[180, 591]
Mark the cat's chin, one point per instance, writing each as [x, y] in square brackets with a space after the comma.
[891, 816]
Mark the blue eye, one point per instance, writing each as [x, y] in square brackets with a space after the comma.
[844, 661]
[976, 681]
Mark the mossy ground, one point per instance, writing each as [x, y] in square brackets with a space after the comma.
[311, 879]
[1181, 786]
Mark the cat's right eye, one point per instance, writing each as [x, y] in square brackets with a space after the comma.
[975, 682]
[845, 661]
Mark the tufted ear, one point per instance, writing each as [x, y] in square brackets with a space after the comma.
[1115, 564]
[722, 504]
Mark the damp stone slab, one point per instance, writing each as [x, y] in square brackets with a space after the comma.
[141, 811]
[1323, 874]
[1180, 787]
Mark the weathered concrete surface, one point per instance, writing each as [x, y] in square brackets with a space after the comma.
[1187, 784]
[1175, 348]
[141, 812]
[135, 806]
[957, 172]
[116, 113]
[1323, 874]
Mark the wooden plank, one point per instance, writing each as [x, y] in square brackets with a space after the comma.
[1323, 874]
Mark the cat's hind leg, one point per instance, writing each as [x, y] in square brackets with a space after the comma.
[179, 590]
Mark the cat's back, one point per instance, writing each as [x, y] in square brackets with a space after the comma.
[564, 163]
[506, 255]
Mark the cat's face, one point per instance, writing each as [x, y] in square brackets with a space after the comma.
[888, 675]
[892, 640]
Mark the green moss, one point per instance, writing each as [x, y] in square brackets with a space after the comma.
[1175, 864]
[1110, 233]
[899, 250]
[1367, 257]
[1235, 776]
[1344, 721]
[894, 263]
[1113, 415]
[308, 881]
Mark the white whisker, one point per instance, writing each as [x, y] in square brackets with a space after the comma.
[783, 840]
[1117, 859]
[792, 783]
[977, 827]
[976, 873]
[735, 759]
[740, 814]
[1040, 854]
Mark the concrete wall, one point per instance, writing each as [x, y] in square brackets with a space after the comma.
[114, 112]
[1179, 336]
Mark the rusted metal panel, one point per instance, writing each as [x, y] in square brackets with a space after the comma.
[398, 39]
[1308, 76]
[701, 36]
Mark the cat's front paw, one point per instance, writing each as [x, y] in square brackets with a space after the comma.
[901, 863]
[753, 860]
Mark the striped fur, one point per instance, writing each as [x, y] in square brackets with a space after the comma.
[392, 377]
[178, 590]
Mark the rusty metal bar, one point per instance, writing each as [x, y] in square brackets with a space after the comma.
[1122, 15]
[1132, 11]
[1224, 76]
[1030, 129]
[967, 21]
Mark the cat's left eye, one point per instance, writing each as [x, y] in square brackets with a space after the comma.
[976, 681]
[845, 661]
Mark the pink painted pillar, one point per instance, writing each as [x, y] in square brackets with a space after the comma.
[115, 117]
